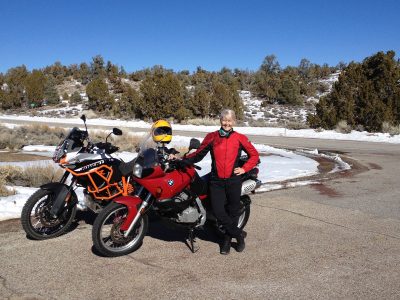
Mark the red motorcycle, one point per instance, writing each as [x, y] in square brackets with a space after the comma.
[171, 189]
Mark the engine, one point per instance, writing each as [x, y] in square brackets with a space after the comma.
[189, 215]
[195, 213]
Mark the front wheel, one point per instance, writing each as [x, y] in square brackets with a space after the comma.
[107, 236]
[36, 218]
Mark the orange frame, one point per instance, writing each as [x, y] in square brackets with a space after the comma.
[126, 189]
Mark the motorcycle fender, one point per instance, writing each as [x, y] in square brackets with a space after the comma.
[62, 195]
[132, 203]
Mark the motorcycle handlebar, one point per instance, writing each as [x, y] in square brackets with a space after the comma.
[107, 147]
[184, 163]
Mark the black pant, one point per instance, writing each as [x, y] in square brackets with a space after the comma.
[225, 202]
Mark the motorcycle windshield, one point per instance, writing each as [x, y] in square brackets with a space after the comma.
[147, 156]
[72, 143]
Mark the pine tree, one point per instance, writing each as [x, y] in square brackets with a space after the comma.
[289, 93]
[366, 94]
[267, 81]
[224, 96]
[75, 98]
[84, 73]
[50, 91]
[130, 105]
[34, 88]
[99, 97]
[65, 96]
[200, 103]
[162, 95]
[97, 67]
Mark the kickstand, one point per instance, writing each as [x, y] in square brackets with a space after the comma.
[191, 240]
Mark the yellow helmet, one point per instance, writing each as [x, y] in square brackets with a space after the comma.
[161, 131]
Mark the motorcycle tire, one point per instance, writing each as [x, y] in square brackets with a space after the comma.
[36, 220]
[107, 237]
[243, 219]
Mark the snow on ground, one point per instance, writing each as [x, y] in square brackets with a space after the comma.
[265, 131]
[276, 165]
[11, 206]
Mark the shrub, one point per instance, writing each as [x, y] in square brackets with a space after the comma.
[201, 121]
[29, 135]
[34, 176]
[343, 127]
[126, 142]
[257, 123]
[90, 114]
[388, 128]
[296, 125]
[4, 191]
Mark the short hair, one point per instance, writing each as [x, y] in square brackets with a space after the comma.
[225, 112]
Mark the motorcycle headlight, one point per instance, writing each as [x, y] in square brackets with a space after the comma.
[137, 170]
[60, 151]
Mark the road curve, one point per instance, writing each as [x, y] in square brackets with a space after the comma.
[337, 239]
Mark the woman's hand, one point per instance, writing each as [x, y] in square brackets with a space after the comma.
[238, 171]
[172, 156]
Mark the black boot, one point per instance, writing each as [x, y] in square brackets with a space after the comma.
[226, 245]
[240, 242]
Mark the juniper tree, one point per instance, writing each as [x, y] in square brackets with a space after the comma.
[99, 97]
[34, 87]
[366, 94]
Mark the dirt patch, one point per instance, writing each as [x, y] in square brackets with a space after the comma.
[12, 225]
[17, 157]
[375, 166]
[324, 165]
[324, 190]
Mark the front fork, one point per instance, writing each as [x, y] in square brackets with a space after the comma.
[141, 211]
[63, 194]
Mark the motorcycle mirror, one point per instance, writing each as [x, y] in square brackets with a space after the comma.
[194, 144]
[83, 118]
[117, 131]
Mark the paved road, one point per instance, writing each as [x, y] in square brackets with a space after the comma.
[338, 239]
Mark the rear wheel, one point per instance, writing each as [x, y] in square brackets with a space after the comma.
[243, 218]
[36, 218]
[107, 236]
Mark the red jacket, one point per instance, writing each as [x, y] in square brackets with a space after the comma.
[225, 153]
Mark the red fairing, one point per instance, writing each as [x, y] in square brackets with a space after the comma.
[167, 185]
[132, 203]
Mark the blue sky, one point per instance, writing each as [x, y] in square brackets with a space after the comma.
[182, 35]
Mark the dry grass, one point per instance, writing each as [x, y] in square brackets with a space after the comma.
[296, 125]
[31, 176]
[202, 121]
[16, 138]
[4, 192]
[388, 128]
[343, 127]
[15, 156]
[125, 142]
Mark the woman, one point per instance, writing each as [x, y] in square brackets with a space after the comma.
[226, 146]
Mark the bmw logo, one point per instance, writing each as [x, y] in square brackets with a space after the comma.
[170, 182]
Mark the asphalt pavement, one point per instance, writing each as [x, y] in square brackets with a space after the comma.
[336, 239]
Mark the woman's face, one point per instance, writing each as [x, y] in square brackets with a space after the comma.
[227, 122]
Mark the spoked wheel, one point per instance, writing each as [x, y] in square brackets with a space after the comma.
[243, 218]
[36, 218]
[109, 239]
